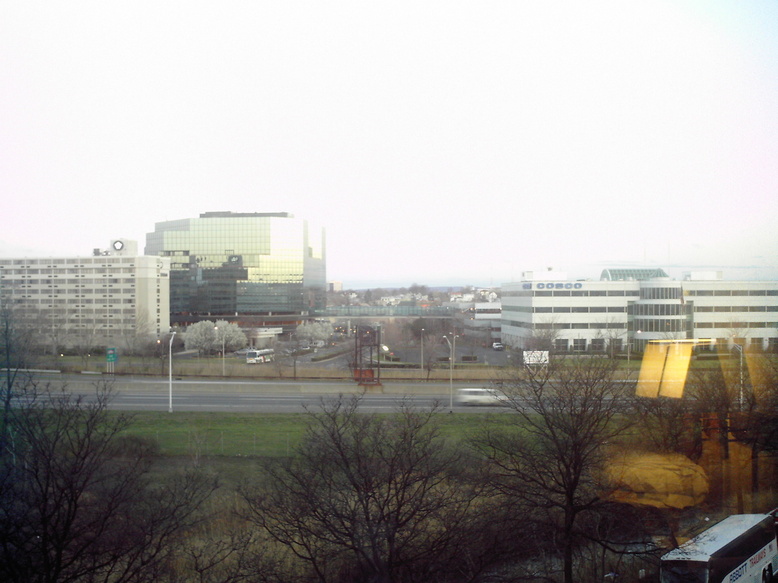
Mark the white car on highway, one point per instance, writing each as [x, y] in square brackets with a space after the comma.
[480, 396]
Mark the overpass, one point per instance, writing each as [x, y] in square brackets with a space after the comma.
[384, 312]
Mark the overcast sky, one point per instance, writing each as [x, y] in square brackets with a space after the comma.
[437, 142]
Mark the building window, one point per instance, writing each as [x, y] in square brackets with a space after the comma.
[660, 293]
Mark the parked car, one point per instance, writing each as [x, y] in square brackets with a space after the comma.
[480, 396]
[497, 346]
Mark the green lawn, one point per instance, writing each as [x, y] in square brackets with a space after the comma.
[230, 434]
[258, 434]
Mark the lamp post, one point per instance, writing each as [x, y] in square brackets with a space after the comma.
[740, 398]
[223, 336]
[453, 348]
[629, 342]
[170, 372]
[421, 364]
[223, 339]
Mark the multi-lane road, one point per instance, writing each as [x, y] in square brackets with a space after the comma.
[270, 396]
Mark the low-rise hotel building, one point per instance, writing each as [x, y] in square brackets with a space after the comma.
[110, 298]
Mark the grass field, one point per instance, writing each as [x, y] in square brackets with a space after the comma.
[227, 434]
[259, 434]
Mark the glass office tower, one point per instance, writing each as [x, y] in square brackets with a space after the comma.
[235, 264]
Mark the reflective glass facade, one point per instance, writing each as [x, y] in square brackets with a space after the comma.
[242, 263]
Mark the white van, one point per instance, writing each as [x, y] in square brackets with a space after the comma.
[480, 396]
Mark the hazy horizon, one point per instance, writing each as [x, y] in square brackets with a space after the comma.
[435, 141]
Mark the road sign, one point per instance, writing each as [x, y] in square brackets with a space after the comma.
[110, 355]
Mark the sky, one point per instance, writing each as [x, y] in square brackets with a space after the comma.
[438, 143]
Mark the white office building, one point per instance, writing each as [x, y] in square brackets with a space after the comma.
[626, 308]
[109, 299]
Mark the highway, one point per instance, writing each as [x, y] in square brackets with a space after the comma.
[267, 396]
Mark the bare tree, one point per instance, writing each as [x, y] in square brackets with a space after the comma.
[227, 549]
[374, 498]
[738, 332]
[15, 342]
[425, 327]
[612, 332]
[47, 327]
[735, 404]
[716, 402]
[543, 336]
[668, 425]
[429, 332]
[76, 499]
[759, 423]
[550, 462]
[83, 338]
[140, 339]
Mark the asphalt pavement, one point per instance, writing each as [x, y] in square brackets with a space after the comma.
[218, 395]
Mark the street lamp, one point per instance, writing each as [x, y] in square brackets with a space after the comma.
[421, 367]
[223, 336]
[170, 371]
[629, 342]
[453, 348]
[740, 349]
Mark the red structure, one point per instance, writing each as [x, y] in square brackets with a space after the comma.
[367, 364]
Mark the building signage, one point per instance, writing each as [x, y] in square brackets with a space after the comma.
[554, 285]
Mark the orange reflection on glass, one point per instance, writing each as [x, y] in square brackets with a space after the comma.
[664, 368]
[651, 370]
[679, 355]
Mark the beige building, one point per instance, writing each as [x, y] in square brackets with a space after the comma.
[114, 298]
